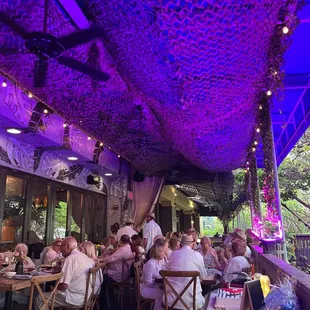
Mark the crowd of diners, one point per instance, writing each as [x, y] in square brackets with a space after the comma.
[174, 251]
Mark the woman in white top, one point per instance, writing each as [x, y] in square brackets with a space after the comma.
[149, 288]
[238, 260]
[88, 248]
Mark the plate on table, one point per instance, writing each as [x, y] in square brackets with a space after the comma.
[22, 277]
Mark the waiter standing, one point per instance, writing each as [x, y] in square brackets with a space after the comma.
[150, 230]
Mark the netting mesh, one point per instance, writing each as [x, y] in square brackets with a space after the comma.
[195, 66]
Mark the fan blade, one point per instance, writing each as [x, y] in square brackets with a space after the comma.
[40, 72]
[83, 67]
[81, 37]
[12, 23]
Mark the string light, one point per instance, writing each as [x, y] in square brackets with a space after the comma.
[269, 92]
[64, 125]
[30, 95]
[45, 111]
[247, 163]
[4, 84]
[253, 149]
[257, 130]
[285, 30]
[118, 156]
[245, 170]
[101, 144]
[255, 142]
[88, 138]
[260, 107]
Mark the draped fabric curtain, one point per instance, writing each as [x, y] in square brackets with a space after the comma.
[146, 195]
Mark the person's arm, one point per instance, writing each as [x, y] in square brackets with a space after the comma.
[115, 257]
[62, 287]
[201, 267]
[68, 273]
[148, 274]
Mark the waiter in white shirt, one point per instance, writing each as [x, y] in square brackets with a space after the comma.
[126, 230]
[150, 230]
[186, 259]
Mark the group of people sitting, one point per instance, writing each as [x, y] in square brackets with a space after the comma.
[175, 251]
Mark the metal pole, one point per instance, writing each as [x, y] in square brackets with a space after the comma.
[277, 191]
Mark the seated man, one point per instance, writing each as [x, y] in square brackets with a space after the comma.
[114, 270]
[186, 259]
[52, 253]
[72, 287]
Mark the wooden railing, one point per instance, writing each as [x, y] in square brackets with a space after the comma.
[302, 245]
[278, 270]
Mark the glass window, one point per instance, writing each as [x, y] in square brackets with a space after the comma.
[61, 210]
[76, 218]
[89, 218]
[14, 206]
[38, 213]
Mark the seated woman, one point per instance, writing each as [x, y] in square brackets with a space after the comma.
[136, 247]
[22, 249]
[51, 254]
[174, 244]
[238, 260]
[88, 248]
[160, 241]
[149, 288]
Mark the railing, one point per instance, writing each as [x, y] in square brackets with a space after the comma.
[277, 270]
[302, 245]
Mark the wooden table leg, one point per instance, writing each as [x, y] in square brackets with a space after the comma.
[8, 300]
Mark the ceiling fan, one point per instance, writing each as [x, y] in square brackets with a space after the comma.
[46, 46]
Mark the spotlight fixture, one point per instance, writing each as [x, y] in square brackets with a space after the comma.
[45, 111]
[4, 84]
[108, 174]
[257, 130]
[88, 138]
[255, 142]
[101, 144]
[269, 92]
[30, 95]
[14, 131]
[64, 125]
[72, 158]
[285, 30]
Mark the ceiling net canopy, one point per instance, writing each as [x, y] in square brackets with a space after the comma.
[195, 68]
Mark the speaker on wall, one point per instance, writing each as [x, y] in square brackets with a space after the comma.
[138, 177]
[92, 179]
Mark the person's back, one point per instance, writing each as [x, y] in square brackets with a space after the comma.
[75, 269]
[186, 259]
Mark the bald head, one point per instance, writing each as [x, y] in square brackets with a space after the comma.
[68, 245]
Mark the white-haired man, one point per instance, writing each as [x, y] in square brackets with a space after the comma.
[72, 287]
[126, 230]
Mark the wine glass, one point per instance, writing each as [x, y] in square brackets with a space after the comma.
[6, 262]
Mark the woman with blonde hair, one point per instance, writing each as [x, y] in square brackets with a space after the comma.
[150, 288]
[88, 248]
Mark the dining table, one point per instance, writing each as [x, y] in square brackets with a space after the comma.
[9, 285]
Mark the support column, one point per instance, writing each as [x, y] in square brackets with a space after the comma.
[187, 220]
[166, 217]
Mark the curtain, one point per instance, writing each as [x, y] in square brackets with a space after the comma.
[145, 196]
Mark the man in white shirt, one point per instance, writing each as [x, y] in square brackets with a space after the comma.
[186, 259]
[72, 287]
[114, 271]
[126, 230]
[150, 230]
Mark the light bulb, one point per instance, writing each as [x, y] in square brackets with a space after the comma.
[4, 84]
[88, 138]
[255, 142]
[101, 144]
[245, 170]
[285, 30]
[45, 111]
[175, 194]
[260, 107]
[275, 73]
[253, 149]
[247, 163]
[118, 156]
[269, 92]
[257, 130]
[30, 95]
[72, 158]
[108, 174]
[64, 125]
[14, 131]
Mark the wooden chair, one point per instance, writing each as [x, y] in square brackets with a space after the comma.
[91, 295]
[193, 275]
[141, 301]
[35, 283]
[92, 299]
[125, 282]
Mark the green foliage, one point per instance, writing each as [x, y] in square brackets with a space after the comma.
[214, 225]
